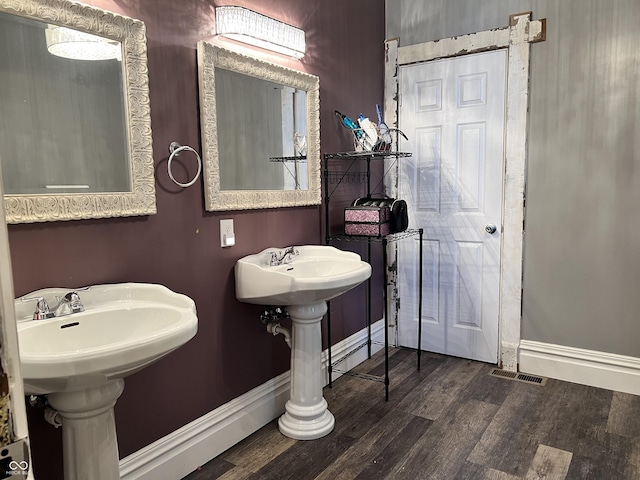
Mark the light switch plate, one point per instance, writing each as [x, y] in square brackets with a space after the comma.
[227, 236]
[14, 460]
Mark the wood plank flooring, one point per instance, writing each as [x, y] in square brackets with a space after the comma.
[450, 420]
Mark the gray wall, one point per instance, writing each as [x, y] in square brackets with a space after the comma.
[581, 269]
[61, 120]
[254, 105]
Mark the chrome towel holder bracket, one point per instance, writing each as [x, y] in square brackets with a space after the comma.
[175, 149]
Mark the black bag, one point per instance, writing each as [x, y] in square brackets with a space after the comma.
[399, 215]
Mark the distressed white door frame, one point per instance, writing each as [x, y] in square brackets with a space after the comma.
[12, 406]
[516, 37]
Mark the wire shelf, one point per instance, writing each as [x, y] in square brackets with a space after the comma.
[302, 159]
[393, 237]
[366, 155]
[354, 350]
[364, 376]
[336, 178]
[351, 171]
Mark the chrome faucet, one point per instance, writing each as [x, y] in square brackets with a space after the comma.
[283, 256]
[68, 305]
[289, 253]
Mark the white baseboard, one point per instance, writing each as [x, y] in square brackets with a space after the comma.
[181, 452]
[588, 367]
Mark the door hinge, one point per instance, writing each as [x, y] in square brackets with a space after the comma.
[399, 100]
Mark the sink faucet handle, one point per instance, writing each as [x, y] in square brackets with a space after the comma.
[289, 253]
[42, 307]
[273, 258]
[74, 301]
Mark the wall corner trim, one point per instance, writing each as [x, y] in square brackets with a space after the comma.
[176, 455]
[588, 367]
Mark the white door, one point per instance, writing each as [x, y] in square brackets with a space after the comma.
[453, 113]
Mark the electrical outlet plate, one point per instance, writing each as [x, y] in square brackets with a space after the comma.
[14, 460]
[227, 236]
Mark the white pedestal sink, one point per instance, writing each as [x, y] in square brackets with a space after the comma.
[80, 360]
[316, 274]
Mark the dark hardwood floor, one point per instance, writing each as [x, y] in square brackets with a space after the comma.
[450, 420]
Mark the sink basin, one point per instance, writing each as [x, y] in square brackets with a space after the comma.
[318, 273]
[313, 275]
[123, 328]
[80, 361]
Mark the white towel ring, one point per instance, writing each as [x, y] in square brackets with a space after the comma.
[175, 148]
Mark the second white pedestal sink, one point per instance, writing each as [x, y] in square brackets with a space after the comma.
[303, 282]
[80, 360]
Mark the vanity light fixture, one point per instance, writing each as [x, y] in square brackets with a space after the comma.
[250, 27]
[67, 43]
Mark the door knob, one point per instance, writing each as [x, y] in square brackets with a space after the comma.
[490, 228]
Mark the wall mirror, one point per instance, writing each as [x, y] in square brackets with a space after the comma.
[260, 132]
[75, 129]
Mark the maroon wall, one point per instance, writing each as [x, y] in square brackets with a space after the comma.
[179, 246]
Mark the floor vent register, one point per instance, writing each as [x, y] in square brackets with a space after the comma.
[519, 377]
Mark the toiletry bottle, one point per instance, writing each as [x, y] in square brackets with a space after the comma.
[350, 124]
[370, 137]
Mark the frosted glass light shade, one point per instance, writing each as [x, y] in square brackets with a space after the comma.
[250, 27]
[68, 43]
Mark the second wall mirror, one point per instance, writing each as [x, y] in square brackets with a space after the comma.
[260, 132]
[75, 129]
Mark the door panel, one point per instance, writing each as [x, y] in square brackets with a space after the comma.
[453, 112]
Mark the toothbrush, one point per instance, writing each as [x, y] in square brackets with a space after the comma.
[384, 130]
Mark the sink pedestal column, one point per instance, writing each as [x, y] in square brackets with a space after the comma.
[89, 442]
[306, 416]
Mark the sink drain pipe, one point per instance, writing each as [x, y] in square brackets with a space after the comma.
[51, 415]
[272, 317]
[276, 328]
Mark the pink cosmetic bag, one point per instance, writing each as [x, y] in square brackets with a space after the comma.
[367, 221]
[367, 214]
[367, 229]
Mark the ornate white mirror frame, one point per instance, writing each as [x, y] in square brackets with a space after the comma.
[140, 200]
[211, 57]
